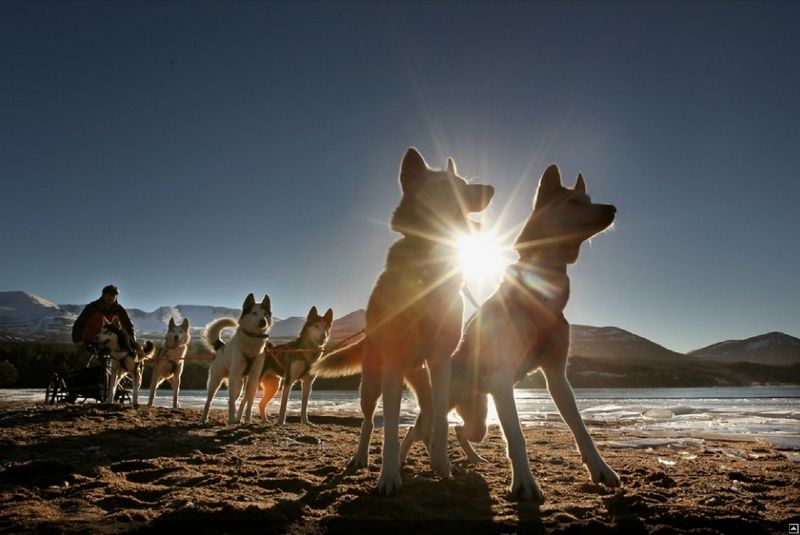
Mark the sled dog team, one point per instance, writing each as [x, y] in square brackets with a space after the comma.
[414, 333]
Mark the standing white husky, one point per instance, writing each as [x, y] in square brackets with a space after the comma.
[169, 362]
[241, 358]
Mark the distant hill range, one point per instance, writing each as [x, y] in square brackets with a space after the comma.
[600, 356]
[774, 348]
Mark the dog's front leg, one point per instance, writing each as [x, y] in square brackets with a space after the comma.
[153, 386]
[252, 387]
[235, 383]
[117, 373]
[392, 385]
[176, 386]
[440, 382]
[564, 398]
[137, 382]
[307, 383]
[523, 484]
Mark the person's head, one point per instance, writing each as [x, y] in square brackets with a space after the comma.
[110, 294]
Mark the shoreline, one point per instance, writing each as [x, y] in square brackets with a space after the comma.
[96, 469]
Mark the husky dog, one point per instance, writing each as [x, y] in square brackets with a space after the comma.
[288, 367]
[521, 328]
[414, 314]
[240, 359]
[169, 362]
[126, 356]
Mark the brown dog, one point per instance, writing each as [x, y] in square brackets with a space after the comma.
[521, 328]
[414, 314]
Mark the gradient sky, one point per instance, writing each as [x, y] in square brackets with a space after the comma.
[192, 153]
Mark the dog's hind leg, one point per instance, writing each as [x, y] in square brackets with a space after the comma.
[214, 382]
[270, 385]
[306, 383]
[473, 457]
[287, 387]
[215, 377]
[419, 382]
[370, 391]
[564, 399]
[523, 484]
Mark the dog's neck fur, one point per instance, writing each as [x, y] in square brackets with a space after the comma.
[416, 257]
[304, 342]
[175, 351]
[250, 344]
[540, 283]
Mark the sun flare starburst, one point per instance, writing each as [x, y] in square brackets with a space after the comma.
[482, 257]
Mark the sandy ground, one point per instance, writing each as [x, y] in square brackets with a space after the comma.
[93, 469]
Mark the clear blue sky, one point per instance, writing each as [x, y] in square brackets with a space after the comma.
[192, 153]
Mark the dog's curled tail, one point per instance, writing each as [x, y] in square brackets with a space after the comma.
[148, 349]
[344, 361]
[212, 331]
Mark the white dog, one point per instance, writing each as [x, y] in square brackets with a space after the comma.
[241, 359]
[169, 362]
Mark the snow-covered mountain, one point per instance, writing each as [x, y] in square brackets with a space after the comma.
[771, 348]
[155, 323]
[22, 313]
[27, 316]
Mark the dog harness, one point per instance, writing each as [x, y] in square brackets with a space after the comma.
[281, 363]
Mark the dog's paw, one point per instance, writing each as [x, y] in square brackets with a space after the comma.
[475, 458]
[389, 482]
[602, 473]
[441, 466]
[357, 462]
[526, 489]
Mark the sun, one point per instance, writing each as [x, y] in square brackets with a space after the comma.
[482, 257]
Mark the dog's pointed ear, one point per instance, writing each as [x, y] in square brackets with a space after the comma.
[116, 323]
[580, 184]
[249, 302]
[328, 317]
[312, 313]
[451, 167]
[549, 184]
[185, 324]
[171, 325]
[105, 321]
[266, 303]
[412, 171]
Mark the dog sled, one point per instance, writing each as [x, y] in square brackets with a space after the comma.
[92, 382]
